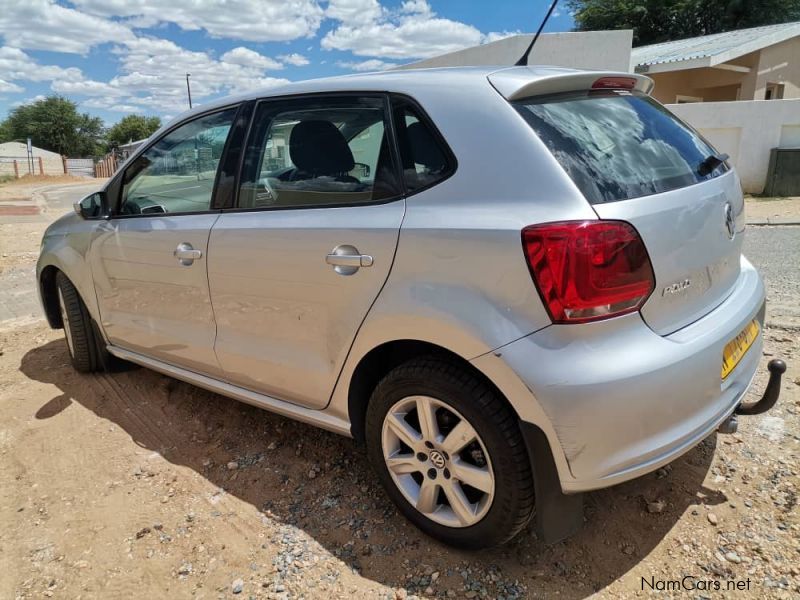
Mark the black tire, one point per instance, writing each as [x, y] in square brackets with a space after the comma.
[498, 427]
[84, 342]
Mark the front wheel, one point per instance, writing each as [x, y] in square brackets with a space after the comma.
[86, 348]
[449, 452]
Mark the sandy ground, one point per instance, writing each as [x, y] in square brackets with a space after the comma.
[132, 484]
[773, 209]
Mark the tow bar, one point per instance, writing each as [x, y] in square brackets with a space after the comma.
[776, 369]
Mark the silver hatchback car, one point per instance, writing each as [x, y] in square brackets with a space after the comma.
[512, 284]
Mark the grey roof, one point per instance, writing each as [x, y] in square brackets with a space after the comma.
[710, 50]
[407, 81]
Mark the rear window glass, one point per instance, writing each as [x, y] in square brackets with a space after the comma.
[617, 145]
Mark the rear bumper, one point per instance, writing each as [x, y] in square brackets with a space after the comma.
[621, 400]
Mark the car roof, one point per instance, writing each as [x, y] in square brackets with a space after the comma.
[399, 80]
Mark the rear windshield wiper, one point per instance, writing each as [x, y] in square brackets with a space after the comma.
[711, 163]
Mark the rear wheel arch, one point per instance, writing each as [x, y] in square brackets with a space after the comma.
[557, 515]
[379, 361]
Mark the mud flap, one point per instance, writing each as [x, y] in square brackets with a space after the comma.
[558, 515]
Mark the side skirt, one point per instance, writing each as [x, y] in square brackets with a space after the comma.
[287, 409]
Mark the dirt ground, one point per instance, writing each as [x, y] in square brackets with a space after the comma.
[131, 484]
[773, 209]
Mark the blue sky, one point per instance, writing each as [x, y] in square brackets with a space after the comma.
[116, 57]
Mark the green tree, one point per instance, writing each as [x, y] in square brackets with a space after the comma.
[132, 128]
[656, 21]
[54, 123]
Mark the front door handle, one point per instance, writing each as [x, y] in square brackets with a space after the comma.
[186, 255]
[346, 259]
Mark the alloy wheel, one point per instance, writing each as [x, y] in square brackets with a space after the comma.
[438, 461]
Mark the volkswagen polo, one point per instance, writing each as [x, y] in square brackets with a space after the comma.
[513, 285]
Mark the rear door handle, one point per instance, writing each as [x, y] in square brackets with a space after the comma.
[186, 254]
[346, 259]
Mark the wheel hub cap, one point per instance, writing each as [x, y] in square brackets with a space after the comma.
[437, 459]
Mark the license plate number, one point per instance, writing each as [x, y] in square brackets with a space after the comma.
[738, 347]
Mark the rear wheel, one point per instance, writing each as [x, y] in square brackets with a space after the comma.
[86, 347]
[449, 452]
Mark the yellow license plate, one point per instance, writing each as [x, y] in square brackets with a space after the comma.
[738, 347]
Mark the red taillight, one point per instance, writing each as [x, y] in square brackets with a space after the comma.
[588, 270]
[614, 83]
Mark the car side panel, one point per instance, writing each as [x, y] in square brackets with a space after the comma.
[460, 279]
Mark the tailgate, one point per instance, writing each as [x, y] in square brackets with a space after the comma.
[695, 258]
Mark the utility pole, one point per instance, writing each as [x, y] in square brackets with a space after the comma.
[189, 89]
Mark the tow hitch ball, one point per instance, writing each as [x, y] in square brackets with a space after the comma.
[776, 369]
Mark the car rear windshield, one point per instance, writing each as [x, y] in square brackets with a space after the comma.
[617, 145]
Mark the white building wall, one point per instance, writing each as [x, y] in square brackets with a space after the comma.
[747, 131]
[601, 50]
[51, 163]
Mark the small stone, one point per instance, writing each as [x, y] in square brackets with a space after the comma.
[712, 518]
[471, 594]
[434, 575]
[272, 446]
[185, 569]
[312, 474]
[232, 465]
[628, 549]
[80, 564]
[733, 557]
[429, 590]
[400, 594]
[656, 507]
[142, 532]
[237, 586]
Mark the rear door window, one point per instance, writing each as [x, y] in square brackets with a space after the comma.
[326, 151]
[617, 145]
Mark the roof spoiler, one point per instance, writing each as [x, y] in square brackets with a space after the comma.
[521, 82]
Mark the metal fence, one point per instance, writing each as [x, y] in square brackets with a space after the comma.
[82, 167]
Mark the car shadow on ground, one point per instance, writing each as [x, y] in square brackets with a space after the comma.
[321, 483]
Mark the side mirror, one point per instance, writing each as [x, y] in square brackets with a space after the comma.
[90, 207]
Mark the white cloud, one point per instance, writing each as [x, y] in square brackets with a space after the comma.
[110, 104]
[294, 59]
[6, 87]
[152, 75]
[414, 31]
[373, 64]
[16, 65]
[44, 25]
[28, 101]
[251, 20]
[354, 12]
[85, 87]
[250, 58]
[157, 68]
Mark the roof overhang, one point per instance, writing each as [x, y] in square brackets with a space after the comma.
[719, 58]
